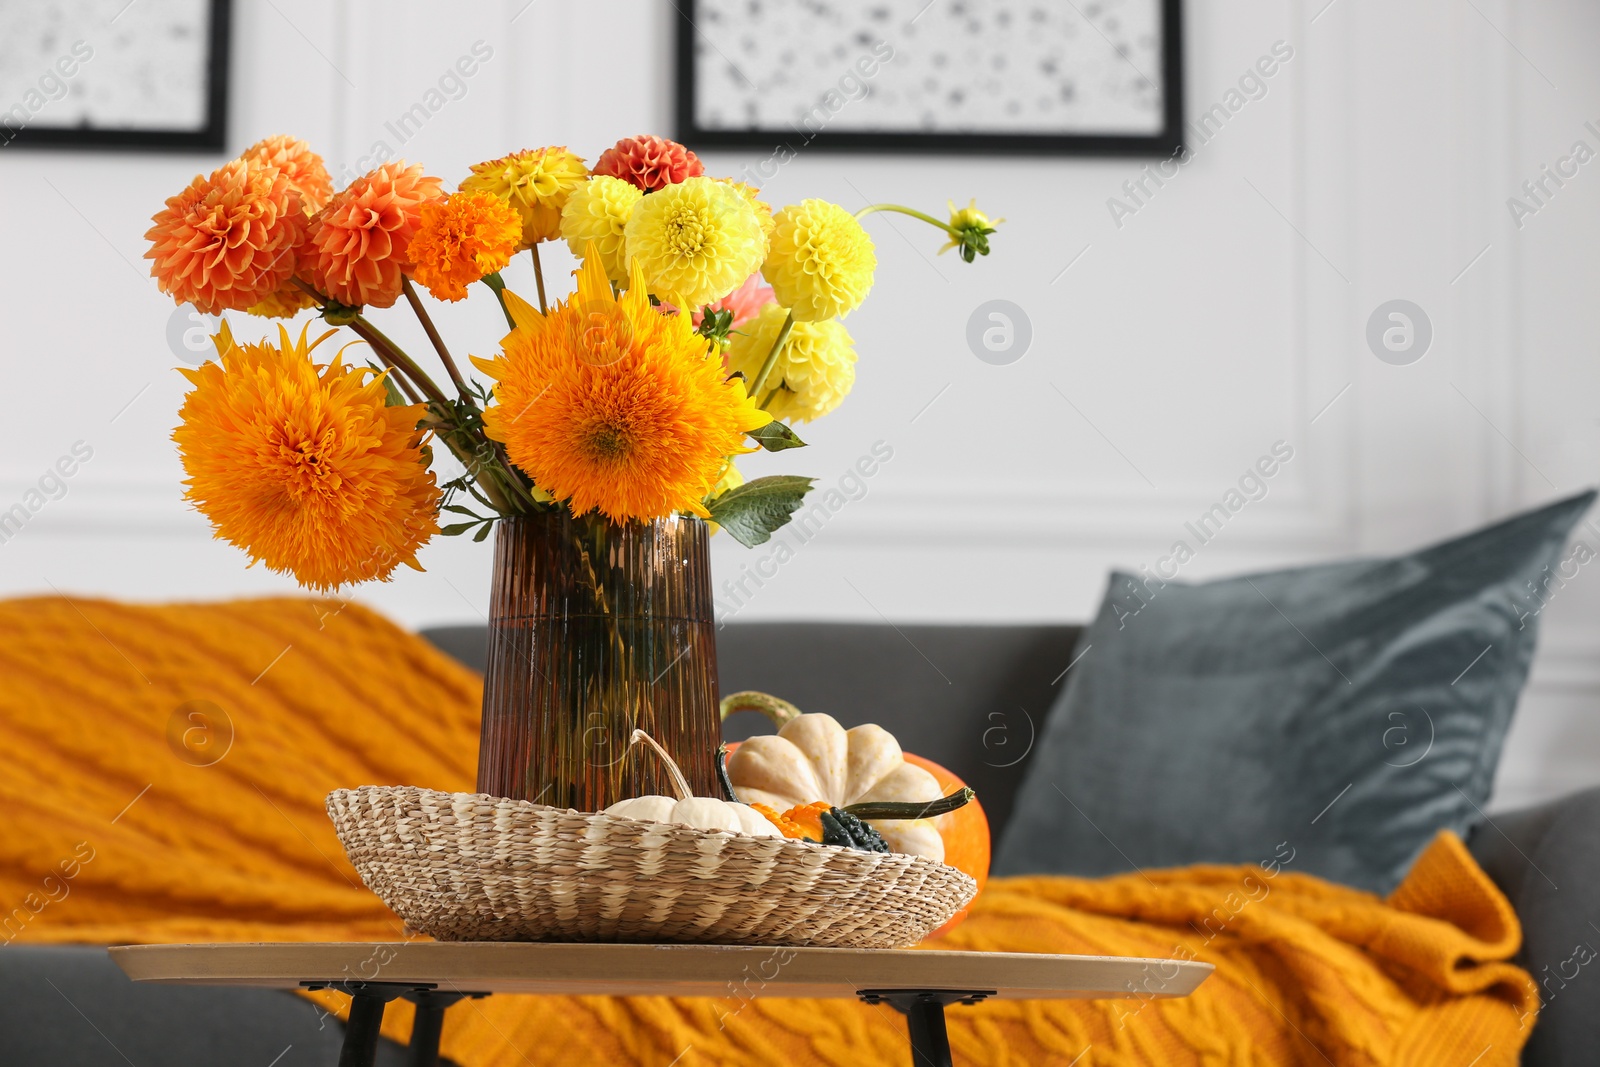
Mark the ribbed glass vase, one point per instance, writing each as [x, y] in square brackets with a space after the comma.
[597, 629]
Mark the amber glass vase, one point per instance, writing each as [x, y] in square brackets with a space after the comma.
[596, 629]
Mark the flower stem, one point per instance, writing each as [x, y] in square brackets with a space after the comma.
[538, 276]
[396, 373]
[772, 356]
[498, 284]
[442, 417]
[433, 335]
[929, 219]
[376, 338]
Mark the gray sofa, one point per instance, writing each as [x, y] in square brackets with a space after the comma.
[970, 697]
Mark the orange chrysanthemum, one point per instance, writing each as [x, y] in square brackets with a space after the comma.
[303, 167]
[462, 238]
[306, 468]
[649, 162]
[612, 407]
[356, 246]
[228, 241]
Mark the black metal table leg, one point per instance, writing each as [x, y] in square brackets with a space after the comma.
[362, 1029]
[930, 1045]
[367, 1002]
[924, 1012]
[428, 1026]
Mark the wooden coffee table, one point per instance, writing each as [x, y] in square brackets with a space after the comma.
[435, 975]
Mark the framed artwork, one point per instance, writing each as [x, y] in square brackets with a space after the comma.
[1085, 77]
[148, 74]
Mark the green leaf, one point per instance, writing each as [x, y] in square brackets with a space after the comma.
[455, 529]
[459, 510]
[714, 325]
[753, 511]
[481, 534]
[775, 437]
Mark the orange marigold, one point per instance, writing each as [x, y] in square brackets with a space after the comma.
[228, 240]
[462, 238]
[306, 468]
[610, 406]
[649, 162]
[303, 167]
[356, 246]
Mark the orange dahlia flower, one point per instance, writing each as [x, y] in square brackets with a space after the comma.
[303, 167]
[356, 246]
[651, 163]
[228, 240]
[306, 468]
[462, 238]
[612, 407]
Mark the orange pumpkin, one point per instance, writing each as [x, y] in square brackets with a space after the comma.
[966, 836]
[964, 833]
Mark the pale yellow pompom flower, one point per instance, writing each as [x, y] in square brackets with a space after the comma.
[536, 183]
[815, 370]
[821, 261]
[696, 241]
[598, 211]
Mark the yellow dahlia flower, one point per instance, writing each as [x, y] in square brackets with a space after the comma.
[536, 183]
[821, 262]
[306, 468]
[598, 211]
[696, 241]
[613, 407]
[969, 230]
[814, 373]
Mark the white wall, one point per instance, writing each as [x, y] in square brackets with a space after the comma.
[1227, 314]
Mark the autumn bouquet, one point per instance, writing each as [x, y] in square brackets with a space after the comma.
[601, 446]
[703, 325]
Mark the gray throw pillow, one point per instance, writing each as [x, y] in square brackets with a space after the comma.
[1339, 715]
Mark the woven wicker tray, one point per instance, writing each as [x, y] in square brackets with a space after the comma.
[471, 867]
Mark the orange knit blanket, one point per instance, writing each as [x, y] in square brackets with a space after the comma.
[163, 771]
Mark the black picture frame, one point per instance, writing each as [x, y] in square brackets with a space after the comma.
[1163, 144]
[209, 138]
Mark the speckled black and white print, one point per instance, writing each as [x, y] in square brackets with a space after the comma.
[945, 66]
[147, 70]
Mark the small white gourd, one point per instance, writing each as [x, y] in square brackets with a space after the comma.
[812, 757]
[686, 809]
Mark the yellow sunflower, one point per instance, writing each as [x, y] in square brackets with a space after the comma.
[306, 468]
[613, 407]
[815, 370]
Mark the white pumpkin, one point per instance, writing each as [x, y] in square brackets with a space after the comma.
[701, 813]
[813, 758]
